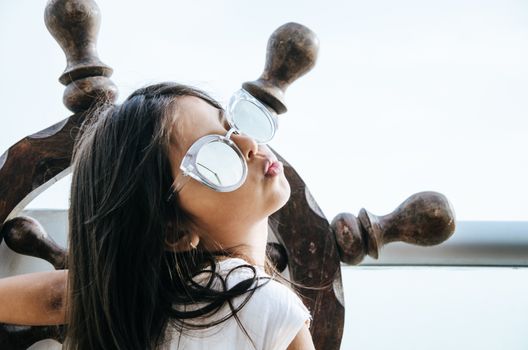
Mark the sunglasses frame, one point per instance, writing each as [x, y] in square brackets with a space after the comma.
[243, 95]
[188, 165]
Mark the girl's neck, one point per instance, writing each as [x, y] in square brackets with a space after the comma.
[252, 244]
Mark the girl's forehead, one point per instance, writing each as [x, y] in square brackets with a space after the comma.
[193, 118]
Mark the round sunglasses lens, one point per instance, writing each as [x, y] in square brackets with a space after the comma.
[220, 164]
[252, 121]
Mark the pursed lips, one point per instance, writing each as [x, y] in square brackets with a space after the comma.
[273, 168]
[271, 160]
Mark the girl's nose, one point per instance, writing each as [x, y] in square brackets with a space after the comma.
[247, 145]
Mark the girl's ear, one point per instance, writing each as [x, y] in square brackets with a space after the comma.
[188, 242]
[188, 238]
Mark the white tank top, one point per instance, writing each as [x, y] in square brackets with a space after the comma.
[272, 316]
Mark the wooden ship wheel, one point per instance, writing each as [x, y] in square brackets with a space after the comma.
[309, 246]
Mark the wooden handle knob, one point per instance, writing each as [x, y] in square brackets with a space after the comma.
[75, 24]
[292, 51]
[425, 218]
[26, 236]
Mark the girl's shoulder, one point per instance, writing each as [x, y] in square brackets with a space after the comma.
[274, 311]
[272, 315]
[236, 270]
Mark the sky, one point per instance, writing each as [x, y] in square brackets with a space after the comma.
[406, 96]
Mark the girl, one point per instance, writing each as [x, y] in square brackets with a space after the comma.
[168, 223]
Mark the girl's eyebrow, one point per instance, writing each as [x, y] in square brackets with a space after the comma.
[221, 115]
[222, 119]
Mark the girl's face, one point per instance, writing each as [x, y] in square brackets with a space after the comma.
[224, 216]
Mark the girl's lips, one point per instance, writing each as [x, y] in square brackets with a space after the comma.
[274, 168]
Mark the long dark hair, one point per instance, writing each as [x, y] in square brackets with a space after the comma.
[122, 281]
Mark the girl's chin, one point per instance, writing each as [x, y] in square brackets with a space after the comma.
[281, 194]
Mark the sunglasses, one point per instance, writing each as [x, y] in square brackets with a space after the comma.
[215, 160]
